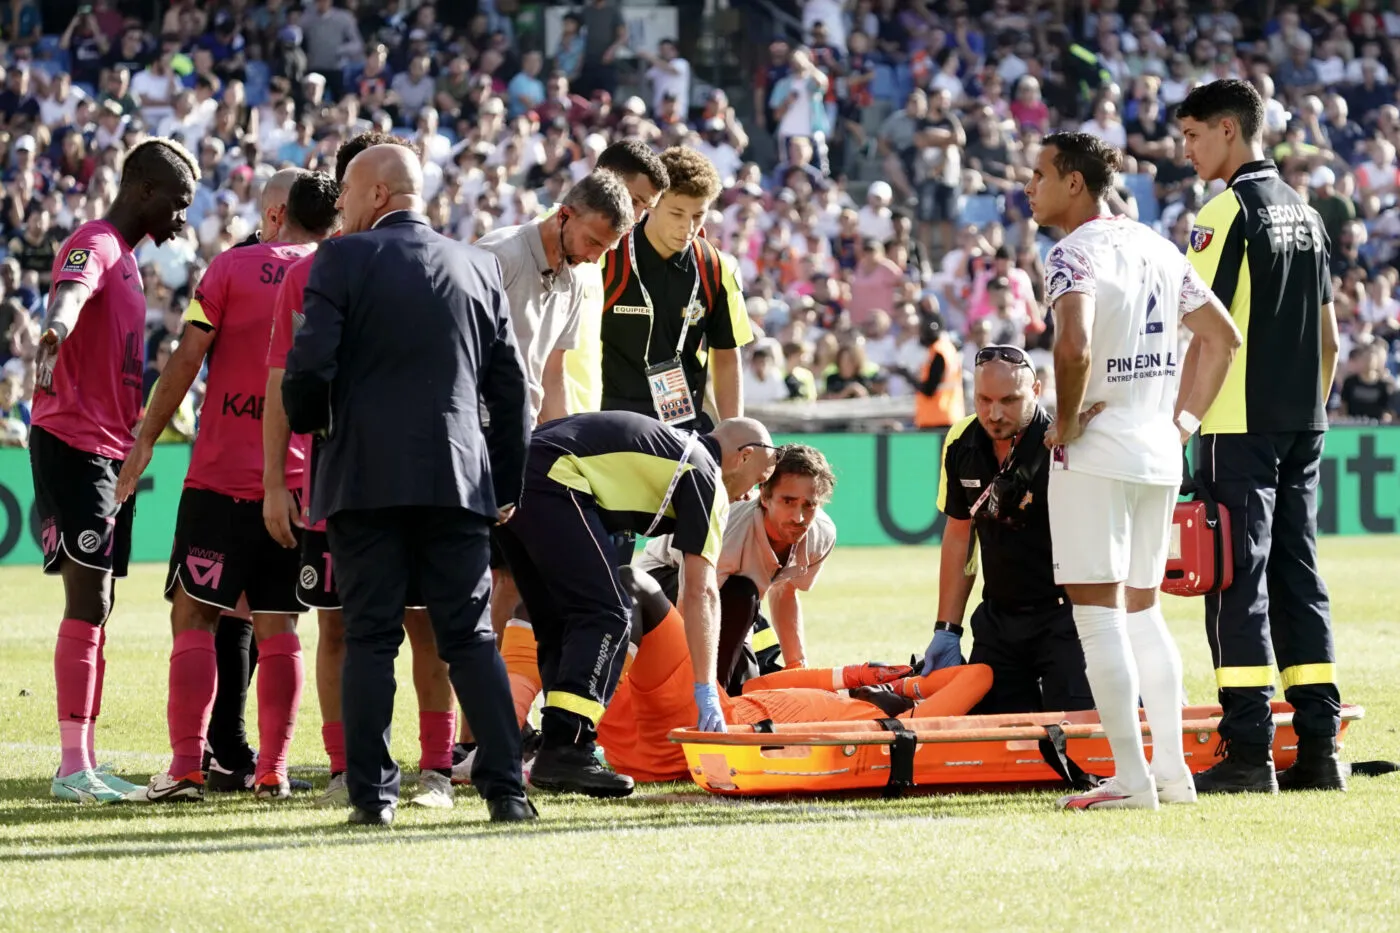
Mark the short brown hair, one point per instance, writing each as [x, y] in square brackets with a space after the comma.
[802, 460]
[691, 174]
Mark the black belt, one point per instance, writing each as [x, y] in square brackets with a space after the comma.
[1015, 609]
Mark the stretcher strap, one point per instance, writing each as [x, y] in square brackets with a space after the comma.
[765, 726]
[901, 757]
[1053, 750]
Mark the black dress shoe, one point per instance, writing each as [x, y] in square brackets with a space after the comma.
[1317, 768]
[384, 816]
[573, 769]
[512, 810]
[1234, 775]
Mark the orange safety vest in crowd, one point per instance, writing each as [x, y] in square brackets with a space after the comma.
[945, 406]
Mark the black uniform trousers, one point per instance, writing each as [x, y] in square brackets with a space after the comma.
[1277, 606]
[446, 552]
[740, 613]
[1036, 660]
[566, 568]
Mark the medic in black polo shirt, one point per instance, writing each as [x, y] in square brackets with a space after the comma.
[994, 479]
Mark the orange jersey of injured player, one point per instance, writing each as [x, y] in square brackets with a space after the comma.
[657, 696]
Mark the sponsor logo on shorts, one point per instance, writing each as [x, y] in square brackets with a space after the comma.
[48, 536]
[89, 541]
[1201, 237]
[76, 260]
[630, 309]
[309, 577]
[206, 567]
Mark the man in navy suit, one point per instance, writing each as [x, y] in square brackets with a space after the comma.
[406, 334]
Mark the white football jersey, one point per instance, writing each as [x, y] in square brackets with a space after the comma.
[1141, 286]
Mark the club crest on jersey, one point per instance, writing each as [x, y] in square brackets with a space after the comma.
[1060, 281]
[694, 313]
[1200, 237]
[76, 260]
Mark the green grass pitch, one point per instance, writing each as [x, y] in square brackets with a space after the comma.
[671, 858]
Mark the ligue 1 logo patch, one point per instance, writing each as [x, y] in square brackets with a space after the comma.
[76, 260]
[1200, 237]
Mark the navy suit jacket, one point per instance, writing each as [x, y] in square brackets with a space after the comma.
[407, 334]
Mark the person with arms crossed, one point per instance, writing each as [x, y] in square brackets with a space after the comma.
[222, 552]
[588, 478]
[87, 401]
[407, 478]
[775, 545]
[992, 489]
[316, 586]
[1265, 254]
[1118, 291]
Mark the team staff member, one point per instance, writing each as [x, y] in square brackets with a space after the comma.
[222, 551]
[667, 291]
[1264, 252]
[589, 477]
[645, 177]
[87, 401]
[407, 479]
[775, 545]
[316, 586]
[993, 484]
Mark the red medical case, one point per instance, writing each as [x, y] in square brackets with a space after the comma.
[1200, 559]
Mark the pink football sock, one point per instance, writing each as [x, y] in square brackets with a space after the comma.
[280, 679]
[75, 676]
[333, 737]
[194, 679]
[435, 732]
[97, 695]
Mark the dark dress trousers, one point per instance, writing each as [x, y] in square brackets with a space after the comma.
[407, 336]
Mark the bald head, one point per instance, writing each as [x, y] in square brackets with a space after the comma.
[1006, 395]
[379, 181]
[273, 203]
[747, 454]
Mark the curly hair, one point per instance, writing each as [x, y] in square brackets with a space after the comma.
[692, 175]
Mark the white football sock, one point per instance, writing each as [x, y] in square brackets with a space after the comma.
[1108, 661]
[1159, 679]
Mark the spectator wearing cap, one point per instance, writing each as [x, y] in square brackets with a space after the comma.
[1335, 210]
[332, 40]
[875, 220]
[526, 90]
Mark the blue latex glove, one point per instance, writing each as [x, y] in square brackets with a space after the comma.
[944, 651]
[707, 701]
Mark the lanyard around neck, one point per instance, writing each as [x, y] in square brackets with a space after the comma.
[651, 310]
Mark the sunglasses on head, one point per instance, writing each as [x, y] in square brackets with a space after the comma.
[1013, 355]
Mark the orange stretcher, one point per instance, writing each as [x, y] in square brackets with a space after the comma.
[819, 758]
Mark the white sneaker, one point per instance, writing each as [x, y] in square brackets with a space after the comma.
[462, 770]
[163, 788]
[434, 791]
[336, 793]
[1182, 790]
[1109, 796]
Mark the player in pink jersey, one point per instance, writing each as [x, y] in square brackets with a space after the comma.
[316, 588]
[222, 551]
[87, 402]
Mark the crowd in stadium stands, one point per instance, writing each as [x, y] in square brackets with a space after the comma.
[901, 133]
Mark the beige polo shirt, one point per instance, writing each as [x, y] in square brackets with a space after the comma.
[746, 551]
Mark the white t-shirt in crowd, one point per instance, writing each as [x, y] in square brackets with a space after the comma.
[1113, 133]
[772, 388]
[663, 82]
[878, 224]
[831, 14]
[1141, 286]
[154, 93]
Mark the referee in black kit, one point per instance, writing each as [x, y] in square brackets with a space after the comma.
[1265, 254]
[407, 335]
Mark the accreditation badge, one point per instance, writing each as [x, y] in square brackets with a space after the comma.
[670, 393]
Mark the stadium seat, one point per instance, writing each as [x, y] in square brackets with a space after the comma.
[1144, 191]
[980, 210]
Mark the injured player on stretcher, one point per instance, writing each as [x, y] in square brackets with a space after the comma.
[654, 694]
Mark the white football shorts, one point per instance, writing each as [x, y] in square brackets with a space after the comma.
[1108, 530]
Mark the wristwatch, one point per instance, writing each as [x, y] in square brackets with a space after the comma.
[953, 627]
